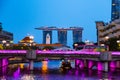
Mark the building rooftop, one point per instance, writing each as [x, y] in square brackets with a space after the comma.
[55, 28]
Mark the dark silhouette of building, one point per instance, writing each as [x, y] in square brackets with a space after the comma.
[47, 36]
[77, 35]
[62, 37]
[115, 10]
[5, 35]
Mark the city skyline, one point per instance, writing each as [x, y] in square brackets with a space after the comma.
[21, 16]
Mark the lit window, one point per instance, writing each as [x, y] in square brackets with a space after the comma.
[113, 4]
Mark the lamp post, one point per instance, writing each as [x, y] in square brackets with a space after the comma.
[76, 45]
[118, 43]
[106, 42]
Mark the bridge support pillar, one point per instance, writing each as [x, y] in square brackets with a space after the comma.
[99, 66]
[90, 64]
[102, 66]
[118, 64]
[79, 64]
[113, 64]
[31, 56]
[4, 62]
[105, 66]
[31, 64]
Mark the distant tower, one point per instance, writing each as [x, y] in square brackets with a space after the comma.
[48, 39]
[0, 26]
[77, 35]
[47, 35]
[62, 37]
[115, 14]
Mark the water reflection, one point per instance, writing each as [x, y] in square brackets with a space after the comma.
[49, 70]
[44, 67]
[27, 77]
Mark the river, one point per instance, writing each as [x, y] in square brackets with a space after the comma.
[49, 70]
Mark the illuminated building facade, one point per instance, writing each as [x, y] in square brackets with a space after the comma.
[112, 29]
[115, 9]
[4, 35]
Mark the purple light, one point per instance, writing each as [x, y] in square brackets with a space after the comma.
[4, 62]
[57, 52]
[13, 51]
[115, 53]
[66, 52]
[81, 64]
[16, 73]
[113, 64]
[99, 65]
[77, 62]
[90, 64]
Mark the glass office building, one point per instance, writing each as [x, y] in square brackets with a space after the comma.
[77, 36]
[62, 37]
[47, 34]
[115, 14]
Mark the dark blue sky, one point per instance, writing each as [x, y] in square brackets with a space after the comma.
[22, 16]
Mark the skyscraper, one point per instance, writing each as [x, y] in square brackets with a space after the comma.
[77, 35]
[47, 35]
[62, 37]
[62, 34]
[115, 10]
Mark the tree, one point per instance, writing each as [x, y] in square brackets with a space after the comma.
[112, 43]
[1, 46]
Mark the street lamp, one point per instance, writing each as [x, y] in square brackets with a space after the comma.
[4, 41]
[118, 42]
[76, 45]
[106, 42]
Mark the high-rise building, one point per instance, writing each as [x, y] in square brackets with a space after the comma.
[4, 35]
[62, 34]
[47, 36]
[77, 35]
[62, 37]
[115, 10]
[111, 30]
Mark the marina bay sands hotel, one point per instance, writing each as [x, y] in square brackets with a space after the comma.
[62, 34]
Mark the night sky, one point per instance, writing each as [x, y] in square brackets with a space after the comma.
[21, 16]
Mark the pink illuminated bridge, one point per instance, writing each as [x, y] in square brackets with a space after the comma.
[54, 52]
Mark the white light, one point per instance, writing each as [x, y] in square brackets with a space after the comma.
[75, 44]
[106, 37]
[118, 41]
[31, 37]
[4, 41]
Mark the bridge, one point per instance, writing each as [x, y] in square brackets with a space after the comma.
[82, 58]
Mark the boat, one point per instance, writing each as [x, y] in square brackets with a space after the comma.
[66, 65]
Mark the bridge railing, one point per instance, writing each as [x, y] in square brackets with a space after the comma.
[65, 52]
[55, 52]
[13, 51]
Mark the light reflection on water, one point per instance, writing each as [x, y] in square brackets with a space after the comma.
[49, 70]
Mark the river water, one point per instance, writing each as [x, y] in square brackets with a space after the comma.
[49, 70]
